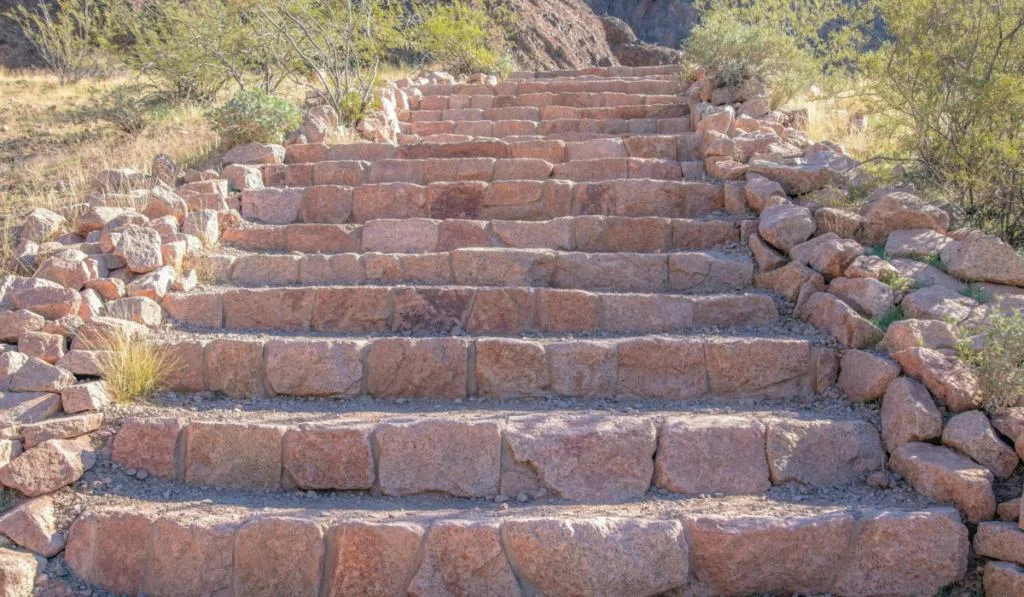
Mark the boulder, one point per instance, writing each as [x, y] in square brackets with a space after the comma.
[971, 433]
[761, 192]
[60, 428]
[461, 557]
[832, 256]
[827, 312]
[984, 259]
[1010, 422]
[842, 222]
[712, 454]
[67, 268]
[42, 345]
[822, 452]
[943, 475]
[789, 279]
[84, 397]
[938, 302]
[1000, 541]
[36, 375]
[918, 333]
[865, 376]
[17, 573]
[916, 242]
[41, 225]
[49, 299]
[869, 266]
[868, 296]
[785, 226]
[908, 414]
[140, 248]
[899, 211]
[33, 526]
[15, 323]
[254, 153]
[951, 380]
[1002, 579]
[49, 466]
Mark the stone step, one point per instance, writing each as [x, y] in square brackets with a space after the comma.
[593, 234]
[504, 200]
[726, 546]
[354, 173]
[657, 85]
[540, 113]
[559, 126]
[695, 272]
[450, 368]
[539, 100]
[674, 70]
[682, 147]
[482, 454]
[463, 309]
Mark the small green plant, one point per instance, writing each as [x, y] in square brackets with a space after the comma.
[132, 366]
[896, 281]
[254, 116]
[880, 252]
[64, 32]
[935, 261]
[735, 52]
[462, 38]
[975, 291]
[130, 108]
[999, 361]
[890, 317]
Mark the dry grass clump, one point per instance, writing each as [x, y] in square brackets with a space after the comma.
[133, 366]
[844, 119]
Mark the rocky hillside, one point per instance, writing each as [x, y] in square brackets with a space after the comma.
[662, 22]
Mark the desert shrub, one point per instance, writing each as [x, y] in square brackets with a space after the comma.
[128, 107]
[890, 317]
[132, 366]
[999, 362]
[734, 52]
[65, 33]
[462, 38]
[254, 116]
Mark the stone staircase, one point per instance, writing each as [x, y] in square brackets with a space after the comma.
[520, 353]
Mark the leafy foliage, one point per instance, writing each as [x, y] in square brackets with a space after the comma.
[999, 363]
[128, 107]
[253, 116]
[64, 32]
[890, 317]
[735, 52]
[462, 38]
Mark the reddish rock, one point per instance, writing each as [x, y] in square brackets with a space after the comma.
[49, 299]
[315, 367]
[869, 297]
[329, 457]
[785, 226]
[712, 454]
[865, 376]
[464, 558]
[17, 573]
[194, 555]
[138, 309]
[669, 368]
[899, 211]
[61, 428]
[36, 375]
[943, 475]
[33, 526]
[827, 312]
[41, 225]
[41, 345]
[918, 333]
[1009, 511]
[233, 367]
[1003, 580]
[905, 553]
[607, 556]
[1010, 422]
[508, 368]
[822, 452]
[582, 369]
[503, 267]
[48, 466]
[19, 408]
[424, 367]
[278, 556]
[951, 380]
[110, 550]
[789, 279]
[581, 457]
[908, 414]
[916, 242]
[833, 256]
[149, 444]
[971, 433]
[15, 323]
[938, 302]
[1000, 541]
[67, 268]
[372, 559]
[771, 368]
[233, 455]
[140, 248]
[708, 271]
[984, 259]
[456, 457]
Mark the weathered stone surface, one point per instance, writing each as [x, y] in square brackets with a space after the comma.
[67, 268]
[743, 555]
[1000, 541]
[110, 550]
[27, 407]
[951, 380]
[607, 556]
[193, 555]
[36, 375]
[32, 525]
[46, 298]
[140, 248]
[455, 457]
[661, 368]
[137, 309]
[899, 211]
[971, 433]
[908, 414]
[865, 376]
[827, 254]
[372, 559]
[1003, 580]
[149, 444]
[17, 573]
[328, 457]
[761, 192]
[425, 367]
[41, 225]
[712, 454]
[41, 345]
[771, 368]
[917, 242]
[822, 452]
[464, 558]
[1008, 511]
[870, 266]
[766, 256]
[984, 259]
[789, 279]
[60, 428]
[785, 226]
[15, 323]
[48, 466]
[234, 366]
[508, 368]
[582, 369]
[277, 557]
[944, 475]
[918, 333]
[239, 455]
[254, 153]
[869, 297]
[315, 367]
[827, 312]
[905, 553]
[1010, 422]
[840, 221]
[938, 302]
[583, 457]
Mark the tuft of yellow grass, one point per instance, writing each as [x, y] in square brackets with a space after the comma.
[133, 367]
[844, 119]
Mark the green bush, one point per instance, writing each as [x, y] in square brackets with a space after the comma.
[253, 116]
[128, 107]
[734, 52]
[999, 363]
[65, 33]
[463, 39]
